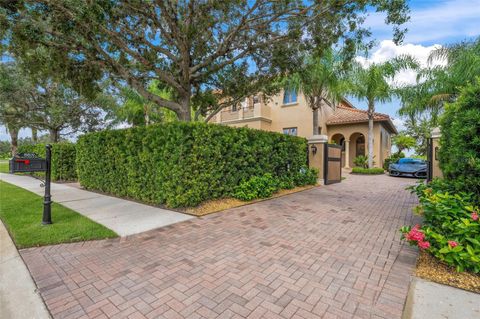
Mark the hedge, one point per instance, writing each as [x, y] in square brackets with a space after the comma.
[183, 164]
[63, 159]
[460, 141]
[368, 171]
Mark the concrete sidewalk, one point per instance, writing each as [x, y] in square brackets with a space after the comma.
[122, 216]
[19, 298]
[427, 299]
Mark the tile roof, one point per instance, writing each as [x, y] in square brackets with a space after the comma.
[348, 115]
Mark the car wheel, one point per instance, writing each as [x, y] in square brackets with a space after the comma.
[394, 173]
[420, 174]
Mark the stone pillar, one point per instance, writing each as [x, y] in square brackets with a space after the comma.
[347, 154]
[436, 172]
[316, 158]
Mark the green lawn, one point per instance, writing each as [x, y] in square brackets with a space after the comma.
[3, 166]
[21, 212]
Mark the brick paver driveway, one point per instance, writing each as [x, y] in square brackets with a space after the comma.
[330, 252]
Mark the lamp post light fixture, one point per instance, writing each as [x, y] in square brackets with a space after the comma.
[314, 149]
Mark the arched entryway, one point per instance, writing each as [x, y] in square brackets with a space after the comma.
[357, 146]
[339, 139]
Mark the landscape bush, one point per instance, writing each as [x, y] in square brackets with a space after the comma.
[362, 161]
[459, 153]
[451, 226]
[63, 159]
[183, 164]
[256, 187]
[265, 186]
[368, 171]
[392, 159]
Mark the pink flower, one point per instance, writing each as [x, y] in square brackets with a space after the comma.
[415, 234]
[452, 243]
[423, 244]
[475, 216]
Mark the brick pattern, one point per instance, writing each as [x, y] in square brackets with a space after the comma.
[330, 252]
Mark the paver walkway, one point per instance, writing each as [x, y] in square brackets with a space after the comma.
[330, 252]
[122, 216]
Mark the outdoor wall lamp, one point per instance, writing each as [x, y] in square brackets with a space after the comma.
[314, 149]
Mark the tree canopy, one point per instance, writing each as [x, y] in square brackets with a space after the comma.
[193, 47]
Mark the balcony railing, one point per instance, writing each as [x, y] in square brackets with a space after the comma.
[258, 110]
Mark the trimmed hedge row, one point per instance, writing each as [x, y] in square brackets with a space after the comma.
[460, 141]
[183, 164]
[63, 159]
[368, 171]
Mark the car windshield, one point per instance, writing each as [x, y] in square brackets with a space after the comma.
[414, 161]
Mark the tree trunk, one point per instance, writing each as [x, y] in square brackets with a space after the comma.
[371, 112]
[34, 134]
[54, 135]
[184, 114]
[14, 140]
[315, 121]
[146, 118]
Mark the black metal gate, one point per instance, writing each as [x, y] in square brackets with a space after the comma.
[333, 164]
[429, 160]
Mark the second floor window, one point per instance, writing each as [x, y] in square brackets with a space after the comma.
[289, 96]
[290, 131]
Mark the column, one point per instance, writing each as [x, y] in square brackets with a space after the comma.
[347, 154]
[316, 158]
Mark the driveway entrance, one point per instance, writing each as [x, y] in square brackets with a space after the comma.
[330, 252]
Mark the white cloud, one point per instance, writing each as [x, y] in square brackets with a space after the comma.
[399, 123]
[388, 50]
[439, 21]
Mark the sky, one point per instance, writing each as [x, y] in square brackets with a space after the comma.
[433, 23]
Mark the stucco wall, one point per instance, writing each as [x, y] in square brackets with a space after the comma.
[273, 115]
[297, 115]
[351, 132]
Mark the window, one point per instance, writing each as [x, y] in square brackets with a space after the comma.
[256, 99]
[234, 107]
[290, 131]
[289, 96]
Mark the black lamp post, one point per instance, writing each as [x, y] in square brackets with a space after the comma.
[47, 199]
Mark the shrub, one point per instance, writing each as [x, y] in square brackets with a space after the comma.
[367, 171]
[63, 159]
[451, 227]
[459, 153]
[362, 161]
[183, 164]
[392, 159]
[256, 187]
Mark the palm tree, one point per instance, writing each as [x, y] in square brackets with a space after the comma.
[321, 80]
[138, 111]
[373, 84]
[450, 68]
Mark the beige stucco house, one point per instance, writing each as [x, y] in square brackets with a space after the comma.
[289, 113]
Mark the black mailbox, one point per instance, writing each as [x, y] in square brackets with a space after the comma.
[27, 162]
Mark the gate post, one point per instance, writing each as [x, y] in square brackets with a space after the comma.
[316, 154]
[435, 146]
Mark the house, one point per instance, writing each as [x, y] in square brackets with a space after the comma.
[289, 113]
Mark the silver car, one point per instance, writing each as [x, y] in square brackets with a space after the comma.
[408, 167]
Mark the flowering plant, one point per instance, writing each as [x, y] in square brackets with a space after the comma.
[450, 230]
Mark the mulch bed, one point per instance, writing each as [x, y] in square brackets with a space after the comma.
[430, 268]
[213, 206]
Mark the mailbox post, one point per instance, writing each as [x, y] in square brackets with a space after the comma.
[47, 199]
[29, 163]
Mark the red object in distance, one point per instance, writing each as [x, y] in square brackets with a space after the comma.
[25, 161]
